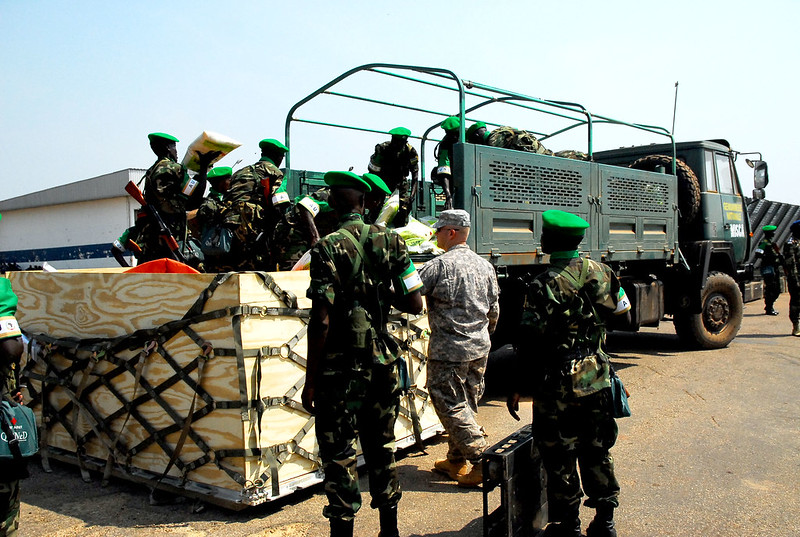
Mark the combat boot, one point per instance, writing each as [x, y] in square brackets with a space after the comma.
[388, 518]
[453, 470]
[567, 528]
[771, 311]
[603, 523]
[341, 528]
[473, 479]
[796, 328]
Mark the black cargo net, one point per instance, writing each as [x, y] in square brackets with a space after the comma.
[627, 194]
[516, 183]
[73, 368]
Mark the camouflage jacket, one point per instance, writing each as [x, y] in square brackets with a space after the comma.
[394, 166]
[168, 188]
[333, 283]
[462, 295]
[561, 324]
[246, 185]
[791, 259]
[769, 253]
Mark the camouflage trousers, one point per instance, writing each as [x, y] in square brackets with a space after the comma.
[455, 389]
[772, 289]
[9, 502]
[794, 300]
[357, 403]
[571, 436]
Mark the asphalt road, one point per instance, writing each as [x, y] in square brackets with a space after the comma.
[712, 449]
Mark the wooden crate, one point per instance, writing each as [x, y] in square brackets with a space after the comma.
[195, 375]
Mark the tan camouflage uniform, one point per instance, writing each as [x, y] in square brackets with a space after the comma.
[462, 296]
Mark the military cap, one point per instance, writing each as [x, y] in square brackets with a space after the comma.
[347, 180]
[400, 131]
[475, 126]
[9, 327]
[219, 173]
[161, 136]
[376, 183]
[452, 217]
[452, 123]
[271, 143]
[564, 223]
[769, 228]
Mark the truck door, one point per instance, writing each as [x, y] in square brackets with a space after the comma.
[730, 198]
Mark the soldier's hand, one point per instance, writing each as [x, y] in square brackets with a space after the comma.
[308, 398]
[204, 159]
[512, 403]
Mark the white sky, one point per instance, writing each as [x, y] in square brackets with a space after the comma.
[84, 82]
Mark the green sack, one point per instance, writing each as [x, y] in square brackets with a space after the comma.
[19, 437]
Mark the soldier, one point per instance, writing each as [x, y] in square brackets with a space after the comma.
[307, 219]
[352, 379]
[11, 347]
[213, 222]
[257, 196]
[477, 134]
[771, 263]
[393, 161]
[563, 316]
[791, 255]
[170, 190]
[375, 198]
[462, 296]
[442, 175]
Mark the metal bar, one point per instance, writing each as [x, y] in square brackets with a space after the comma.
[349, 127]
[385, 103]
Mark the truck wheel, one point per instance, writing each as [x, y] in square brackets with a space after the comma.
[720, 319]
[688, 185]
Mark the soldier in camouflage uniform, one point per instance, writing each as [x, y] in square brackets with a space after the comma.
[791, 256]
[213, 218]
[352, 380]
[443, 173]
[393, 161]
[560, 349]
[309, 218]
[771, 263]
[375, 198]
[170, 190]
[11, 347]
[462, 296]
[257, 198]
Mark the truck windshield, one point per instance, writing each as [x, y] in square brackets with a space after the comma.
[724, 175]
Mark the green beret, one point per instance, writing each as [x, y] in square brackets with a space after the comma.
[400, 131]
[564, 223]
[475, 126]
[160, 136]
[271, 143]
[219, 173]
[376, 183]
[347, 180]
[452, 123]
[769, 228]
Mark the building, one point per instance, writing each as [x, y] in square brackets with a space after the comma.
[70, 226]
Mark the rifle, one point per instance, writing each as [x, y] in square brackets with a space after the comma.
[166, 234]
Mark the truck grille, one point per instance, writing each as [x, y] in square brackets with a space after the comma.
[512, 182]
[626, 194]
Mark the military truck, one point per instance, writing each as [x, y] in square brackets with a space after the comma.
[669, 218]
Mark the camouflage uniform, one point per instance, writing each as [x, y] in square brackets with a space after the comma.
[290, 240]
[169, 189]
[254, 213]
[561, 343]
[462, 296]
[771, 263]
[394, 165]
[791, 257]
[214, 213]
[358, 390]
[519, 140]
[10, 471]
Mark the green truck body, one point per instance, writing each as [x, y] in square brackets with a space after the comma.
[675, 231]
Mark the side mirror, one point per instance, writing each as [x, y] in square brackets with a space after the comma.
[760, 175]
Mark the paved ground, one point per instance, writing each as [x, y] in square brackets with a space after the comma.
[711, 450]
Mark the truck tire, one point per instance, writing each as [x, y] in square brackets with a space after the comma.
[721, 318]
[688, 185]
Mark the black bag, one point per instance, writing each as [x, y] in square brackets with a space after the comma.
[619, 397]
[19, 438]
[216, 240]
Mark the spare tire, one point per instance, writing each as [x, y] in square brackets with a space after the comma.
[688, 185]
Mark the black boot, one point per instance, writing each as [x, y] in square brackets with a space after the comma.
[341, 528]
[603, 523]
[388, 518]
